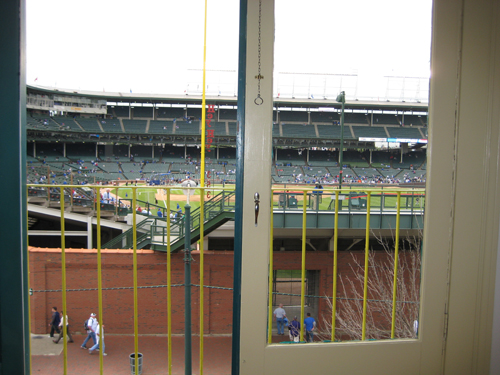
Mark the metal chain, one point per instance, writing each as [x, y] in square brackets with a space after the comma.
[258, 100]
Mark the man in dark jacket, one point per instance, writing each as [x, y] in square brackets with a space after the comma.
[54, 322]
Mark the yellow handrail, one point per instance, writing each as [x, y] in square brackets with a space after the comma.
[271, 266]
[202, 193]
[99, 277]
[396, 258]
[29, 284]
[303, 269]
[136, 321]
[367, 253]
[169, 289]
[63, 271]
[335, 253]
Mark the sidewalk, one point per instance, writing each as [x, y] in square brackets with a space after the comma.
[217, 356]
[47, 357]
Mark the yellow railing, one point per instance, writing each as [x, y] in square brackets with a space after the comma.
[368, 210]
[97, 208]
[306, 192]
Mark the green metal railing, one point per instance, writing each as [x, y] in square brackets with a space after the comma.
[221, 203]
[126, 239]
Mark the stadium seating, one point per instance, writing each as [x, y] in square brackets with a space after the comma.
[90, 125]
[67, 124]
[111, 126]
[333, 131]
[356, 118]
[141, 152]
[232, 128]
[328, 117]
[227, 114]
[170, 113]
[296, 116]
[355, 159]
[404, 132]
[414, 159]
[195, 112]
[121, 111]
[415, 120]
[41, 123]
[386, 119]
[382, 159]
[161, 127]
[135, 126]
[298, 131]
[389, 172]
[142, 112]
[218, 127]
[369, 131]
[187, 127]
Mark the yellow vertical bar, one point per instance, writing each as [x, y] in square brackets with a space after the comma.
[303, 269]
[367, 253]
[99, 278]
[396, 258]
[63, 270]
[202, 183]
[29, 284]
[271, 266]
[134, 239]
[335, 253]
[169, 289]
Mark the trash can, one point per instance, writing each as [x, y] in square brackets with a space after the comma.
[132, 363]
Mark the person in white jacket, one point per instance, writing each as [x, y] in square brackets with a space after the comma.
[100, 338]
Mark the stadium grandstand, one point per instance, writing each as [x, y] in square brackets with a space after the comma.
[105, 137]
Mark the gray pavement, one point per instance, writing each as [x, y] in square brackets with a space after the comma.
[43, 345]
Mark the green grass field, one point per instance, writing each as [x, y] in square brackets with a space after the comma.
[149, 194]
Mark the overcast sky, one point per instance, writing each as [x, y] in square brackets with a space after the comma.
[156, 46]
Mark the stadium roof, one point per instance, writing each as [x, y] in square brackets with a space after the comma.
[226, 100]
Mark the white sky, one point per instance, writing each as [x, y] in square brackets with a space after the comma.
[156, 46]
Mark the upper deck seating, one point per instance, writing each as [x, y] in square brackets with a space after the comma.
[90, 125]
[218, 127]
[170, 112]
[369, 131]
[298, 131]
[161, 127]
[122, 111]
[187, 127]
[67, 124]
[329, 117]
[142, 112]
[294, 116]
[227, 114]
[356, 118]
[135, 126]
[386, 119]
[111, 126]
[232, 128]
[404, 132]
[333, 132]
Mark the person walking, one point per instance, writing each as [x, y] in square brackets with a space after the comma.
[279, 316]
[310, 326]
[61, 324]
[54, 322]
[100, 340]
[294, 330]
[91, 330]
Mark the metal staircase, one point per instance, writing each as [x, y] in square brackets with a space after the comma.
[153, 230]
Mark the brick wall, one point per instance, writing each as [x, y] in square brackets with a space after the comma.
[118, 306]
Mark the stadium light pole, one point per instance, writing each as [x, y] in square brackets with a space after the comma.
[341, 99]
